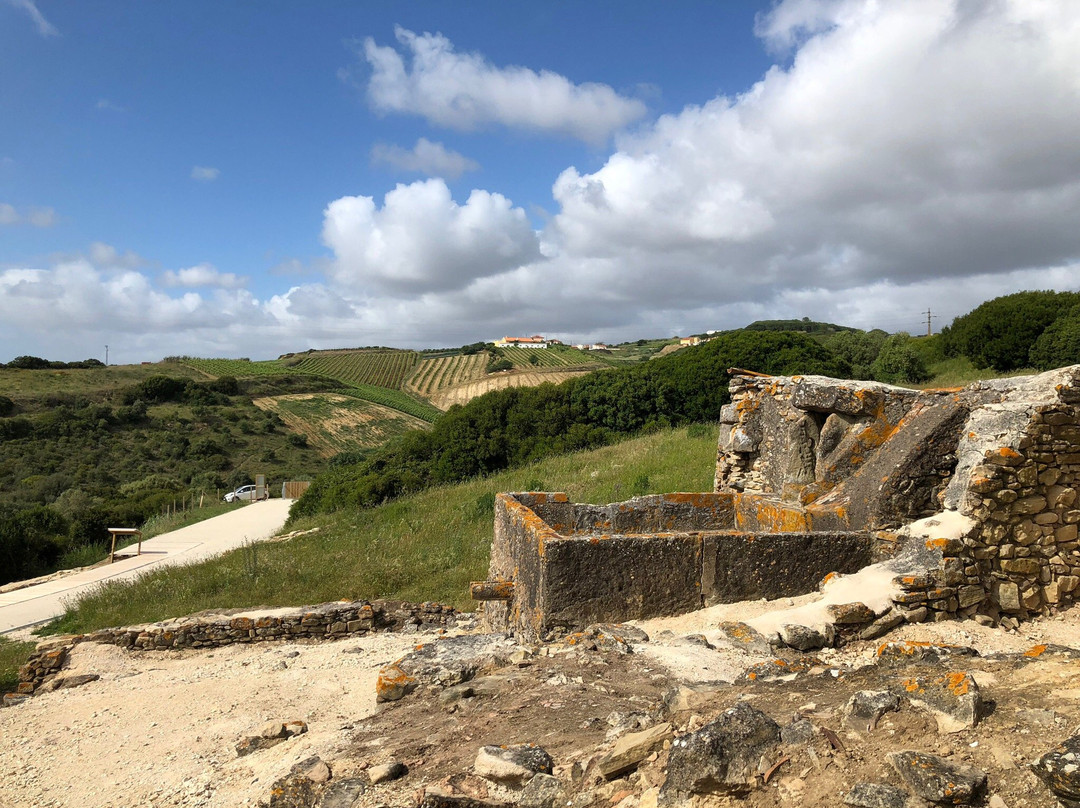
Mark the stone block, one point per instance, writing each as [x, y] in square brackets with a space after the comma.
[748, 566]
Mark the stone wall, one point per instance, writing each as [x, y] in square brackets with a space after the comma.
[969, 495]
[573, 565]
[327, 621]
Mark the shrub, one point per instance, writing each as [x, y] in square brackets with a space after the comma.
[898, 362]
[1059, 344]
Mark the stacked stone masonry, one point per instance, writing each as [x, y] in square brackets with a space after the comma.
[326, 621]
[974, 489]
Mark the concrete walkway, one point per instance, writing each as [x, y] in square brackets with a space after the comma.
[42, 602]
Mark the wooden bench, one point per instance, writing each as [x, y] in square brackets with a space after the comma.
[123, 531]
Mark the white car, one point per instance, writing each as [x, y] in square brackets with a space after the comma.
[245, 493]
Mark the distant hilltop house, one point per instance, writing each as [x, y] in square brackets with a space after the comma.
[524, 342]
[690, 341]
[595, 346]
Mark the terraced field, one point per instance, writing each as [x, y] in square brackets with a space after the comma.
[335, 423]
[437, 373]
[379, 368]
[548, 357]
[462, 393]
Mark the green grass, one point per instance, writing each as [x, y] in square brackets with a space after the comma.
[423, 547]
[12, 656]
[959, 371]
[29, 386]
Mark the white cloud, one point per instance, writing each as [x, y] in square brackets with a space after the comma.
[33, 216]
[44, 27]
[464, 91]
[425, 157]
[421, 240]
[205, 173]
[203, 275]
[106, 256]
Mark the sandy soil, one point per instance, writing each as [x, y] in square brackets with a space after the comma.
[160, 729]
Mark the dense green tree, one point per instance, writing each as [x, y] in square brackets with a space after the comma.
[897, 362]
[855, 351]
[1000, 333]
[1059, 344]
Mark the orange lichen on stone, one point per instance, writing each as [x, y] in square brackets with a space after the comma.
[1004, 452]
[957, 683]
[1035, 651]
[911, 685]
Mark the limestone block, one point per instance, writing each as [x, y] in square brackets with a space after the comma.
[1029, 505]
[1008, 596]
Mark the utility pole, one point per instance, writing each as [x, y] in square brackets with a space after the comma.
[106, 356]
[929, 316]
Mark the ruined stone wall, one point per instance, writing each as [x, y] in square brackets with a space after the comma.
[327, 621]
[572, 565]
[984, 476]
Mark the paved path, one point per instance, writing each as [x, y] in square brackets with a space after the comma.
[42, 602]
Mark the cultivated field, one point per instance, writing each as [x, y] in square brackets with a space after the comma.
[380, 368]
[554, 357]
[335, 423]
[462, 393]
[435, 374]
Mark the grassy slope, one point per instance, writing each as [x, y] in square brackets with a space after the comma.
[423, 547]
[31, 388]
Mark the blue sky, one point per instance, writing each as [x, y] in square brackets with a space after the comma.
[246, 179]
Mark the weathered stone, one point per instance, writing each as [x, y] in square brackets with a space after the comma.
[875, 795]
[1060, 770]
[882, 626]
[1008, 596]
[512, 765]
[445, 662]
[938, 780]
[720, 758]
[804, 638]
[632, 748]
[318, 772]
[798, 733]
[846, 614]
[542, 791]
[779, 669]
[256, 743]
[1020, 566]
[865, 707]
[385, 772]
[970, 595]
[1029, 505]
[906, 652]
[952, 698]
[743, 636]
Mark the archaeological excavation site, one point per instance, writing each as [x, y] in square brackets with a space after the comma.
[947, 503]
[870, 609]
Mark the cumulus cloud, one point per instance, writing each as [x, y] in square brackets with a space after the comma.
[205, 173]
[33, 216]
[464, 91]
[421, 240]
[425, 157]
[44, 27]
[203, 275]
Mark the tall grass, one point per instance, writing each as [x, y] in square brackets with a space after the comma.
[958, 372]
[12, 656]
[423, 547]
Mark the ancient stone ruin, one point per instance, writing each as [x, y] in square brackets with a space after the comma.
[957, 502]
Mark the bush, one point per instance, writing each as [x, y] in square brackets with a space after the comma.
[1001, 333]
[498, 365]
[7, 406]
[1059, 344]
[897, 362]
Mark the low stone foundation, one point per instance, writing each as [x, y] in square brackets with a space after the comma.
[326, 621]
